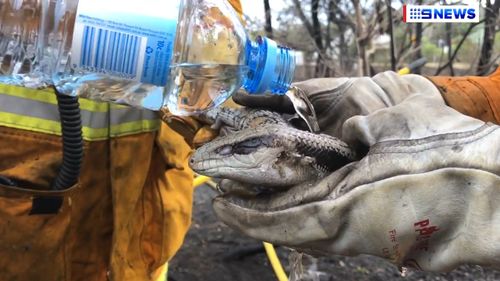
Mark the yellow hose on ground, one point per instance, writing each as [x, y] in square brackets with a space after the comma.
[404, 70]
[275, 262]
[199, 180]
[270, 251]
[412, 66]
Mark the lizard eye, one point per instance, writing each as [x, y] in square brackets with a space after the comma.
[247, 146]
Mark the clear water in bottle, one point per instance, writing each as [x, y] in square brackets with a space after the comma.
[102, 87]
[33, 35]
[199, 86]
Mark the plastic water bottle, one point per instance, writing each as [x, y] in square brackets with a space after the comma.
[184, 55]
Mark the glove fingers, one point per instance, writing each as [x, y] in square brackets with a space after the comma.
[266, 199]
[399, 87]
[336, 100]
[280, 227]
[318, 90]
[419, 116]
[271, 102]
[266, 217]
[239, 189]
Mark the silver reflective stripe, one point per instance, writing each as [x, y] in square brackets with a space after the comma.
[27, 107]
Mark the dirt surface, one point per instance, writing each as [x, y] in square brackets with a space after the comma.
[214, 252]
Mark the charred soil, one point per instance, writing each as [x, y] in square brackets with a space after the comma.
[214, 252]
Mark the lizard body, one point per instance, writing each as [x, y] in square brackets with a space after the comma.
[267, 150]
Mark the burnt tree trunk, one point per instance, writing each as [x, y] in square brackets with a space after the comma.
[343, 24]
[418, 40]
[391, 34]
[316, 28]
[405, 44]
[459, 45]
[448, 42]
[361, 40]
[490, 17]
[269, 25]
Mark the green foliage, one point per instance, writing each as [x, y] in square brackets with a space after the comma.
[430, 50]
[496, 50]
[468, 52]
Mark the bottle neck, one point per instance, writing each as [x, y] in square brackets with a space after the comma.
[270, 67]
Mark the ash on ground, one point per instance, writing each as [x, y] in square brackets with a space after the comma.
[214, 252]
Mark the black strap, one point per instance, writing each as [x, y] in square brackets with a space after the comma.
[41, 205]
[6, 181]
[46, 205]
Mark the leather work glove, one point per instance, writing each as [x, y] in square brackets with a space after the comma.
[426, 193]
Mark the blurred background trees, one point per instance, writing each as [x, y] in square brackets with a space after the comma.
[363, 37]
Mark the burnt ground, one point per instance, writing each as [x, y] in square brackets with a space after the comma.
[214, 252]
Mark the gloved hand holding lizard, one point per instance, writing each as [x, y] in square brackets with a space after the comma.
[420, 185]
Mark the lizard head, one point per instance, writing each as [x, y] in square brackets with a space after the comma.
[252, 154]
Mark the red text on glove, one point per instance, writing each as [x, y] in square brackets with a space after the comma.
[395, 249]
[425, 230]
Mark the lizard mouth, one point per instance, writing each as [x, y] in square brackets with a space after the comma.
[213, 166]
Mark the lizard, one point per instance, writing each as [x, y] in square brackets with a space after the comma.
[262, 146]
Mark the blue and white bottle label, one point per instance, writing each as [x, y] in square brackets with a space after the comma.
[129, 39]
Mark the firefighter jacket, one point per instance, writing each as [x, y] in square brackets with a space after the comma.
[128, 213]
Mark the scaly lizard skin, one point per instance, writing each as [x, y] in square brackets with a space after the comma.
[267, 151]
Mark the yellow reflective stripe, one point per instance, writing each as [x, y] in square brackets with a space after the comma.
[135, 127]
[91, 134]
[47, 95]
[94, 106]
[30, 123]
[44, 95]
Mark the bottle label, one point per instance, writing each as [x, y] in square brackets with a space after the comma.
[126, 38]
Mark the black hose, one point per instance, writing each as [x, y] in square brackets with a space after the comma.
[6, 181]
[71, 127]
[72, 146]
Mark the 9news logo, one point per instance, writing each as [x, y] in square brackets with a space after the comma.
[437, 13]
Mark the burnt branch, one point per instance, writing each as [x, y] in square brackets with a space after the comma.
[455, 52]
[269, 25]
[391, 34]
